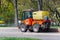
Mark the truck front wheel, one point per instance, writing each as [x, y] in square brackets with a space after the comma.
[23, 28]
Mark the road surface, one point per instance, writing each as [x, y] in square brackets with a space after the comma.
[15, 32]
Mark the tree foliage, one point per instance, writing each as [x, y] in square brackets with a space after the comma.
[7, 7]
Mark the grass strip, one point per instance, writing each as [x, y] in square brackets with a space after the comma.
[15, 38]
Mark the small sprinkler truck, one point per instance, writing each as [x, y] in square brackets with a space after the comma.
[34, 21]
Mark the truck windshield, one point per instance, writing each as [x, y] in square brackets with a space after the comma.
[27, 14]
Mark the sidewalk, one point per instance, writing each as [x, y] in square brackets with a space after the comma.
[9, 29]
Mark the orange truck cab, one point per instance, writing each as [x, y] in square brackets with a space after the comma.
[31, 24]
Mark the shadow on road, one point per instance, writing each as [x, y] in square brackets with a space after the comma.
[54, 30]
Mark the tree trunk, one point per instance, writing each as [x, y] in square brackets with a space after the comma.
[16, 12]
[39, 4]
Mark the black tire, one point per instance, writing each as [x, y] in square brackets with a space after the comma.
[46, 30]
[31, 29]
[23, 28]
[47, 27]
[36, 27]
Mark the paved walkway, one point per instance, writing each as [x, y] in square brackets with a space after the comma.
[15, 32]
